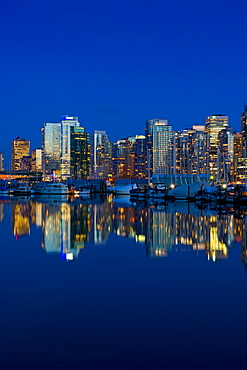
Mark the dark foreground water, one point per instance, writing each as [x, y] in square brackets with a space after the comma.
[112, 286]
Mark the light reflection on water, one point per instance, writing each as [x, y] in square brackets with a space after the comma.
[69, 225]
[140, 290]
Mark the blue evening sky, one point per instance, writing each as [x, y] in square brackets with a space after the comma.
[115, 64]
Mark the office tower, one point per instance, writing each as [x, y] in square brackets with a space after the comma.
[140, 152]
[80, 153]
[1, 161]
[149, 143]
[225, 171]
[137, 155]
[183, 160]
[121, 159]
[132, 140]
[214, 124]
[191, 151]
[20, 148]
[101, 154]
[163, 148]
[37, 160]
[239, 167]
[244, 123]
[160, 147]
[66, 124]
[51, 137]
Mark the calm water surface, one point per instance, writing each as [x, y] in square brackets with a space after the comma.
[107, 285]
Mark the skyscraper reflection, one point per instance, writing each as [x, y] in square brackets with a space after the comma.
[68, 226]
[21, 213]
[65, 229]
[1, 211]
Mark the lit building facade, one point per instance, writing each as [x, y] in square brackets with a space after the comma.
[121, 159]
[80, 153]
[20, 149]
[226, 148]
[101, 154]
[140, 152]
[37, 160]
[160, 147]
[137, 155]
[192, 152]
[214, 124]
[1, 161]
[163, 148]
[52, 139]
[244, 123]
[238, 160]
[67, 123]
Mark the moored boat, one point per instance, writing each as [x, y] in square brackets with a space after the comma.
[51, 188]
[188, 191]
[83, 191]
[124, 189]
[21, 189]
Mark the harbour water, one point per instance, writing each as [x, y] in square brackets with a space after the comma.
[104, 284]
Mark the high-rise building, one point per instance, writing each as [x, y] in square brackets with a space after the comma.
[67, 123]
[163, 148]
[1, 161]
[149, 143]
[20, 149]
[191, 152]
[140, 151]
[80, 153]
[244, 123]
[51, 137]
[101, 154]
[37, 160]
[160, 147]
[214, 124]
[238, 160]
[121, 158]
[225, 171]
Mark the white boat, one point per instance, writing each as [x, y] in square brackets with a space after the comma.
[124, 189]
[51, 188]
[159, 192]
[189, 190]
[22, 189]
[82, 191]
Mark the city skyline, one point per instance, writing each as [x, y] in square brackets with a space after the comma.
[7, 156]
[115, 65]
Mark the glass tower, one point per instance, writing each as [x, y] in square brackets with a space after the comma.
[101, 152]
[80, 153]
[66, 124]
[51, 137]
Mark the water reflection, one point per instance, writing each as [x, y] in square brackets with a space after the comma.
[67, 226]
